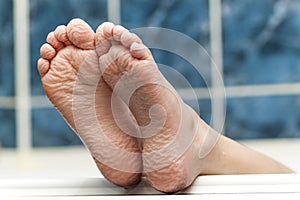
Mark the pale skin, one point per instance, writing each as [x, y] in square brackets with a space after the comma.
[109, 53]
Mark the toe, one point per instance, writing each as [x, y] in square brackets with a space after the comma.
[81, 34]
[60, 34]
[104, 35]
[47, 52]
[106, 31]
[127, 39]
[43, 66]
[118, 31]
[51, 39]
[140, 51]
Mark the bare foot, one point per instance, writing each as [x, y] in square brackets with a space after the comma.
[169, 130]
[70, 50]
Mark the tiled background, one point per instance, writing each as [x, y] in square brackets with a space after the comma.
[261, 48]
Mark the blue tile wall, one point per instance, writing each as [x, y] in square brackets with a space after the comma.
[6, 49]
[261, 46]
[263, 117]
[7, 119]
[50, 130]
[261, 41]
[7, 128]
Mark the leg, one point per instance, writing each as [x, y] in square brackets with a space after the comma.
[230, 157]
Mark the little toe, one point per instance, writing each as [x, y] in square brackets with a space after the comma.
[47, 52]
[81, 34]
[43, 66]
[51, 39]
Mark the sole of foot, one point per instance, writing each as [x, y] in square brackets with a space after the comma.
[69, 50]
[169, 130]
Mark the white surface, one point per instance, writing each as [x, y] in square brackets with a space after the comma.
[61, 173]
[48, 163]
[204, 186]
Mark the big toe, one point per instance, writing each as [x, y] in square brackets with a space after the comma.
[80, 34]
[103, 37]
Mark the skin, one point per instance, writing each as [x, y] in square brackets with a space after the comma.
[152, 115]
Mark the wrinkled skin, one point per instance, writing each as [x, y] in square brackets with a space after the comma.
[69, 48]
